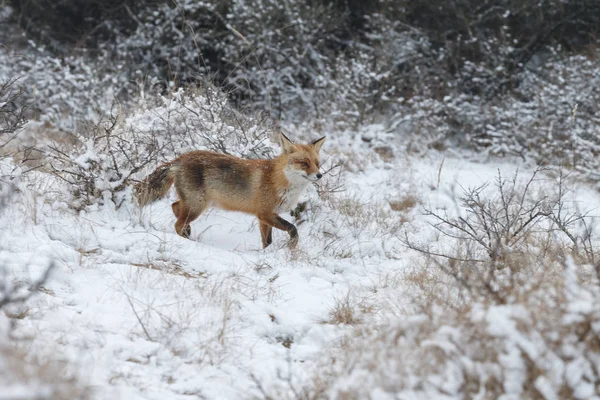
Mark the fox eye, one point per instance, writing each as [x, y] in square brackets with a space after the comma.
[304, 164]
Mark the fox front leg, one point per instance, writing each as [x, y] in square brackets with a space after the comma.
[291, 230]
[276, 221]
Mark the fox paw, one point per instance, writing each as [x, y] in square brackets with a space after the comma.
[185, 232]
[293, 242]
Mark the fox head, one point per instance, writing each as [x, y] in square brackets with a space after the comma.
[302, 159]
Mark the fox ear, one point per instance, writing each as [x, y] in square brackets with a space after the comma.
[317, 144]
[286, 144]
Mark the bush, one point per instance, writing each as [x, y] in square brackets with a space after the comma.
[541, 346]
[496, 40]
[177, 42]
[284, 47]
[110, 155]
[12, 110]
[292, 58]
[307, 60]
[506, 240]
[76, 22]
[67, 91]
[549, 119]
[505, 306]
[12, 119]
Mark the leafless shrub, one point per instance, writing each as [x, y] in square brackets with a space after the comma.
[12, 111]
[116, 152]
[12, 119]
[102, 163]
[504, 304]
[501, 242]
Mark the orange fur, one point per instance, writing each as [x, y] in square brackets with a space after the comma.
[258, 187]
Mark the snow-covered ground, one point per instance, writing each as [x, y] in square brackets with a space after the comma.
[137, 312]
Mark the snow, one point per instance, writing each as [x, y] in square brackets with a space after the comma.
[138, 312]
[133, 311]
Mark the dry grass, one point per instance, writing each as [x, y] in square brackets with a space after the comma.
[32, 378]
[358, 215]
[405, 203]
[344, 313]
[170, 268]
[350, 310]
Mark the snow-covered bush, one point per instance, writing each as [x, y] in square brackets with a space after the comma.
[66, 91]
[296, 59]
[173, 41]
[495, 40]
[361, 84]
[549, 119]
[544, 345]
[60, 90]
[281, 52]
[72, 22]
[12, 119]
[554, 118]
[110, 155]
[102, 162]
[505, 305]
[12, 109]
[506, 236]
[200, 118]
[288, 58]
[285, 58]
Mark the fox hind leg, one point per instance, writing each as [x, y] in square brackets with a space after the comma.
[266, 233]
[185, 216]
[191, 203]
[175, 206]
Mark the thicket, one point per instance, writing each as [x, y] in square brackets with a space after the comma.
[505, 306]
[505, 77]
[271, 50]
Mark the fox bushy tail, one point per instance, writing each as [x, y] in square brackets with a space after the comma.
[156, 185]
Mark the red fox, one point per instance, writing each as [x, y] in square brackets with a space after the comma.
[258, 187]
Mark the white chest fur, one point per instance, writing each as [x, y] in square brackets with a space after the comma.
[290, 196]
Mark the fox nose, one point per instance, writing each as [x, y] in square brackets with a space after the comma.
[319, 175]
